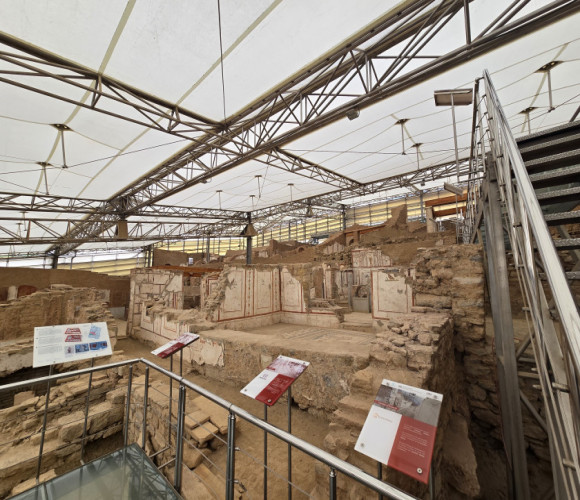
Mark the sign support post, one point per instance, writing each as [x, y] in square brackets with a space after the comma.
[380, 476]
[267, 388]
[289, 396]
[170, 401]
[169, 349]
[265, 454]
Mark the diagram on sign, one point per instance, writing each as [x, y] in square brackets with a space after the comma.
[65, 343]
[400, 428]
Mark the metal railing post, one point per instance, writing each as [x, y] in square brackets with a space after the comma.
[231, 463]
[145, 405]
[43, 431]
[128, 406]
[332, 484]
[87, 412]
[179, 437]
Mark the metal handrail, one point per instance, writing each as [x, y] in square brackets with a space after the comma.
[335, 464]
[557, 356]
[552, 266]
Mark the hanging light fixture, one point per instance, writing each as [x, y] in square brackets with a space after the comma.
[402, 122]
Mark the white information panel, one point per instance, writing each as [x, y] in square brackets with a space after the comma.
[272, 382]
[175, 345]
[66, 343]
[400, 428]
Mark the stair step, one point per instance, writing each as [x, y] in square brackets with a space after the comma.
[552, 162]
[570, 275]
[555, 177]
[561, 218]
[559, 196]
[567, 243]
[537, 149]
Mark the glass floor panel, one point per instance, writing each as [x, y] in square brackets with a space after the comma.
[125, 474]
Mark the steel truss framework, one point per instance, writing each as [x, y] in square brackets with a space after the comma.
[231, 222]
[352, 77]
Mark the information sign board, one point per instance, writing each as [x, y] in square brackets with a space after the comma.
[175, 345]
[272, 382]
[400, 428]
[65, 343]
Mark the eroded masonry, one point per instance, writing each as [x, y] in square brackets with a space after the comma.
[392, 302]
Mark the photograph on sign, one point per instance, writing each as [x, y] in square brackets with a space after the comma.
[272, 382]
[400, 428]
[175, 345]
[66, 343]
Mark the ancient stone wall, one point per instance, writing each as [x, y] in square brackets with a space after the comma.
[20, 427]
[243, 297]
[451, 278]
[236, 359]
[204, 431]
[118, 286]
[169, 257]
[153, 289]
[61, 305]
[417, 350]
[57, 306]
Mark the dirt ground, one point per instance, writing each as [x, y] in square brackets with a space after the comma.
[250, 440]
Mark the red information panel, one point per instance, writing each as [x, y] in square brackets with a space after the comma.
[271, 383]
[400, 428]
[175, 345]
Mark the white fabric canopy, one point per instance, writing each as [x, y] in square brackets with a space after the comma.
[173, 51]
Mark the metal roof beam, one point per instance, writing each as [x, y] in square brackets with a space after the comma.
[25, 202]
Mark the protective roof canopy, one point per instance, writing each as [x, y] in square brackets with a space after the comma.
[97, 98]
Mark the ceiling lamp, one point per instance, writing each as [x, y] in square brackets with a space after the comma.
[249, 230]
[457, 97]
[353, 114]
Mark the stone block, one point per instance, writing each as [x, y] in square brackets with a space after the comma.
[49, 434]
[21, 397]
[117, 396]
[419, 357]
[476, 393]
[72, 431]
[218, 415]
[425, 339]
[192, 457]
[195, 418]
[203, 433]
[459, 460]
[434, 301]
[474, 332]
[32, 482]
[488, 417]
[463, 281]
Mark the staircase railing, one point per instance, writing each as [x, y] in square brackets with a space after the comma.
[556, 344]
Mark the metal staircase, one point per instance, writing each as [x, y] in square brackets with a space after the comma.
[529, 192]
[552, 159]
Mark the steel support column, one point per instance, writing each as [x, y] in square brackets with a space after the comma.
[498, 283]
